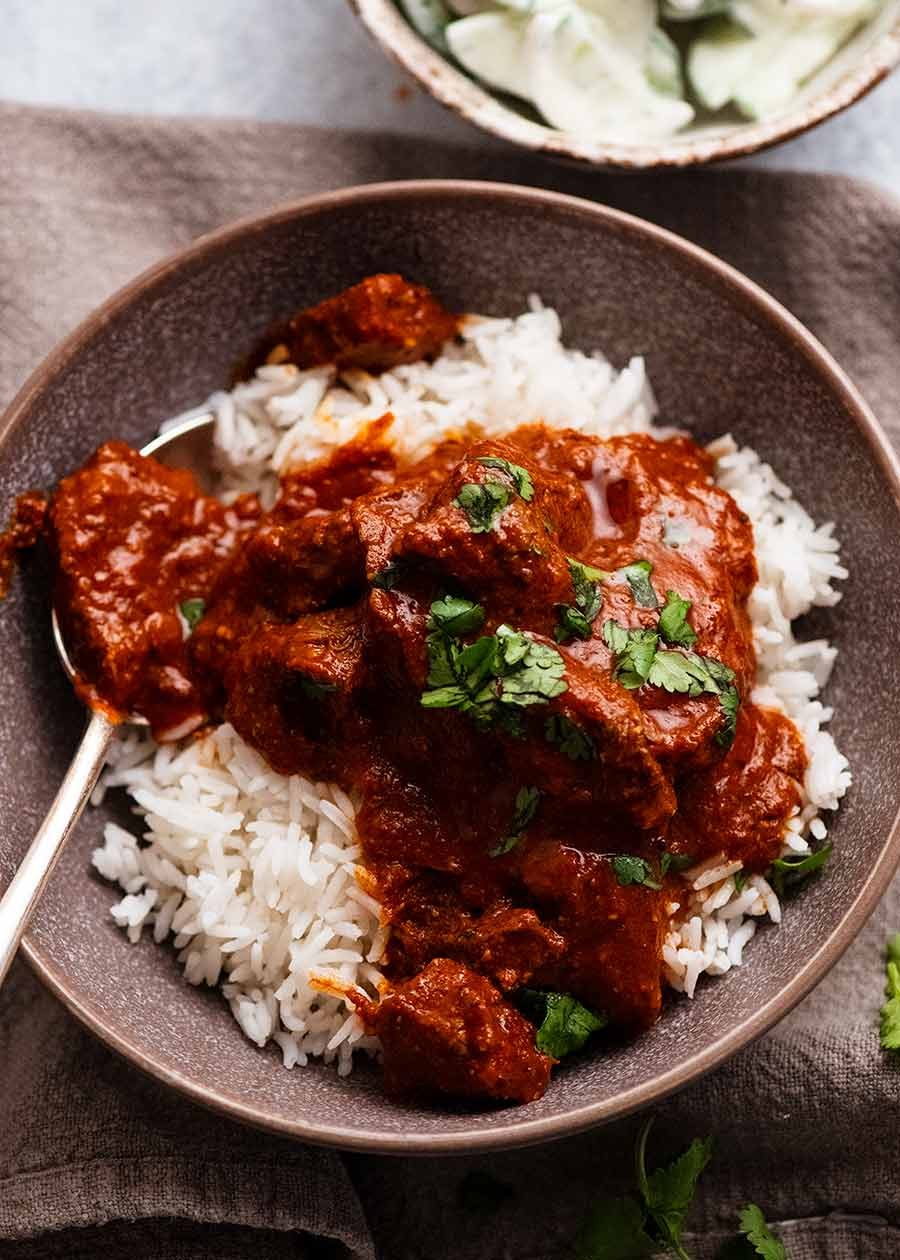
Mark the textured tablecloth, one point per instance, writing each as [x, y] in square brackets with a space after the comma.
[97, 1160]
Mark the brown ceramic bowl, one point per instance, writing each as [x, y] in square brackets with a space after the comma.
[871, 55]
[722, 355]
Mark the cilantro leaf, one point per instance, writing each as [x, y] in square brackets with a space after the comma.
[532, 673]
[614, 1230]
[637, 575]
[520, 477]
[676, 862]
[564, 1025]
[483, 504]
[786, 873]
[527, 799]
[572, 741]
[635, 650]
[192, 610]
[387, 578]
[730, 702]
[455, 616]
[754, 1228]
[673, 623]
[633, 870]
[890, 1011]
[575, 620]
[313, 689]
[668, 1192]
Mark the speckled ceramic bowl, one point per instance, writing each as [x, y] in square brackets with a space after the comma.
[858, 67]
[721, 354]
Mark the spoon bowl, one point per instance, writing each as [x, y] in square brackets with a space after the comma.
[184, 444]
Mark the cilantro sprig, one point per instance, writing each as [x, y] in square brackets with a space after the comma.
[493, 679]
[651, 1221]
[637, 575]
[786, 873]
[673, 622]
[575, 620]
[484, 502]
[455, 616]
[564, 1025]
[519, 476]
[890, 1011]
[527, 800]
[634, 870]
[757, 1238]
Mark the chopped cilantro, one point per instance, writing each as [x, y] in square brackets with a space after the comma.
[787, 872]
[639, 660]
[575, 619]
[740, 880]
[455, 616]
[192, 610]
[676, 862]
[483, 504]
[890, 1011]
[492, 678]
[572, 741]
[633, 870]
[637, 576]
[520, 477]
[313, 689]
[564, 1025]
[673, 623]
[387, 579]
[635, 650]
[527, 799]
[482, 1193]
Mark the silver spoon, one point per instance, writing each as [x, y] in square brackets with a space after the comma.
[185, 445]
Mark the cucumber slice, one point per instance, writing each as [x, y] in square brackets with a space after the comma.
[690, 10]
[761, 72]
[663, 65]
[583, 82]
[429, 18]
[719, 61]
[492, 47]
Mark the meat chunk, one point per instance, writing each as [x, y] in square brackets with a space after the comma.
[376, 324]
[514, 553]
[448, 1031]
[741, 804]
[134, 539]
[292, 692]
[613, 933]
[506, 943]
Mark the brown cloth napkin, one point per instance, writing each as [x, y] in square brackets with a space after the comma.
[97, 1160]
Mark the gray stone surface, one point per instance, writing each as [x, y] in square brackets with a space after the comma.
[304, 61]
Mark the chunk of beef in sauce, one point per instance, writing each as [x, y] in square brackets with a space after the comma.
[746, 796]
[654, 500]
[292, 692]
[377, 324]
[133, 540]
[448, 1031]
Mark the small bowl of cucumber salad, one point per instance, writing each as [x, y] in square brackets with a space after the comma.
[642, 83]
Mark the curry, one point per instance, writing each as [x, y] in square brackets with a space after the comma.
[529, 658]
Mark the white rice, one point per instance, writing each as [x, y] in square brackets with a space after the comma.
[254, 874]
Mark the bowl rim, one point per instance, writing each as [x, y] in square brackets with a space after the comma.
[467, 98]
[813, 968]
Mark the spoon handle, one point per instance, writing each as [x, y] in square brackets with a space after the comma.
[28, 882]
